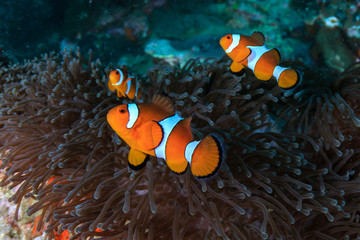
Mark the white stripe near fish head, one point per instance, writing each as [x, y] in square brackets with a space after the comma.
[189, 150]
[234, 43]
[121, 77]
[133, 114]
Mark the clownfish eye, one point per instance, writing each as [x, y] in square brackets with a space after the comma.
[117, 72]
[122, 111]
[228, 36]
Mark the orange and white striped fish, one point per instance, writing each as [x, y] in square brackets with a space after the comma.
[156, 129]
[123, 83]
[250, 51]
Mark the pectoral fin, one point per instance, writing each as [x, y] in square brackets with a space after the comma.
[242, 54]
[236, 67]
[150, 135]
[137, 159]
[120, 93]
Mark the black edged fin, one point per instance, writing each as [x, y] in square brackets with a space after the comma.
[236, 67]
[222, 156]
[298, 80]
[150, 135]
[258, 38]
[164, 103]
[250, 51]
[137, 159]
[180, 173]
[242, 71]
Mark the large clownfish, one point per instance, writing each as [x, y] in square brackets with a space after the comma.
[250, 51]
[124, 84]
[155, 129]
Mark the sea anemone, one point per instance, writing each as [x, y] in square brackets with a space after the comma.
[323, 107]
[57, 148]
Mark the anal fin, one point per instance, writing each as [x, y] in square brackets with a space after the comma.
[137, 159]
[119, 94]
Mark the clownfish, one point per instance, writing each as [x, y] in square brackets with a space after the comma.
[156, 129]
[124, 84]
[250, 51]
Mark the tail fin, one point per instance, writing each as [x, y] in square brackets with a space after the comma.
[207, 157]
[288, 78]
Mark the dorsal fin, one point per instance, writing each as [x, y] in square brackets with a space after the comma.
[258, 38]
[164, 103]
[125, 71]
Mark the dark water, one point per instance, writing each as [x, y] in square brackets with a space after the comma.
[141, 32]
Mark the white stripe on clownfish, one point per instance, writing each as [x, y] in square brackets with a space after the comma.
[128, 86]
[255, 55]
[234, 43]
[121, 77]
[277, 72]
[189, 150]
[133, 114]
[167, 126]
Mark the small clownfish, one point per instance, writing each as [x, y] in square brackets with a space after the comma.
[250, 51]
[156, 129]
[125, 85]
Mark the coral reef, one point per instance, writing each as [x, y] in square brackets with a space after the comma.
[273, 184]
[336, 23]
[328, 31]
[11, 229]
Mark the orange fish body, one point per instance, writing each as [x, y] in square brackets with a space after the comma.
[250, 51]
[125, 85]
[155, 129]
